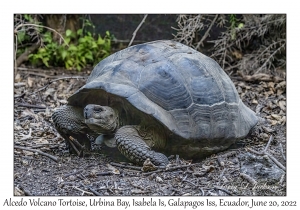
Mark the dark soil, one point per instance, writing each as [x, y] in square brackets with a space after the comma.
[43, 166]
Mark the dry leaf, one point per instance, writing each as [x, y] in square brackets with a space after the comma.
[30, 81]
[28, 153]
[28, 112]
[279, 92]
[148, 166]
[137, 191]
[276, 117]
[159, 180]
[113, 169]
[18, 192]
[254, 101]
[41, 141]
[282, 105]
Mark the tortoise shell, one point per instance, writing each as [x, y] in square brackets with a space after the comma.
[186, 91]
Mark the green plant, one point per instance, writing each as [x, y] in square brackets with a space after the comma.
[234, 25]
[79, 50]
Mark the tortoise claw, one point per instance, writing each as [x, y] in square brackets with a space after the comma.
[75, 145]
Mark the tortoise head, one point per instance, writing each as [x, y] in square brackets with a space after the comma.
[101, 119]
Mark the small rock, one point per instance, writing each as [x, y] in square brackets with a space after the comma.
[159, 180]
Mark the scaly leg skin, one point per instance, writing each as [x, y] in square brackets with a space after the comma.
[69, 123]
[133, 147]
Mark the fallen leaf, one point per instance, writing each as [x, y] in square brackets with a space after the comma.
[30, 81]
[41, 141]
[159, 180]
[28, 112]
[137, 191]
[18, 78]
[18, 192]
[254, 101]
[282, 105]
[27, 153]
[276, 117]
[113, 169]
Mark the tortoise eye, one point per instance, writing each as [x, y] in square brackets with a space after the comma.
[98, 109]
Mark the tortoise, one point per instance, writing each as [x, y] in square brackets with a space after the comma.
[154, 98]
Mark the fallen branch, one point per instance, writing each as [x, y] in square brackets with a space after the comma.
[136, 30]
[24, 56]
[38, 151]
[207, 32]
[31, 106]
[125, 166]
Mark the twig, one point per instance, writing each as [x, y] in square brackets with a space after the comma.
[73, 173]
[136, 30]
[169, 169]
[19, 84]
[254, 151]
[228, 154]
[50, 82]
[24, 56]
[269, 142]
[39, 152]
[124, 166]
[270, 156]
[35, 25]
[276, 161]
[207, 32]
[31, 106]
[281, 150]
[104, 173]
[83, 191]
[224, 190]
[248, 178]
[94, 191]
[202, 191]
[25, 137]
[190, 183]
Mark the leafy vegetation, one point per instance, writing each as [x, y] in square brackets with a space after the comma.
[79, 48]
[76, 52]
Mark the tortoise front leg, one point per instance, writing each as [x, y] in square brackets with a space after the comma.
[69, 123]
[132, 145]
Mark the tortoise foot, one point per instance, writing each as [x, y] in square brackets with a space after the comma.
[133, 147]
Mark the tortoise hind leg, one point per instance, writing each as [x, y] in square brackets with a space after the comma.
[69, 123]
[132, 145]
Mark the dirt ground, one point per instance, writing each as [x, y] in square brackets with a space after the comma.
[255, 166]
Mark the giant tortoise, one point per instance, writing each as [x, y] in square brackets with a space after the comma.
[153, 98]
